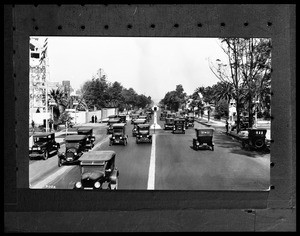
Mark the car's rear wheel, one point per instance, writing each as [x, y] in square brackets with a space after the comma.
[46, 155]
[212, 148]
[125, 142]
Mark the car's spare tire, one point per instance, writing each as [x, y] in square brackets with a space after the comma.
[259, 143]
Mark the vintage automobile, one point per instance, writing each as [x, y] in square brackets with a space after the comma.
[89, 133]
[122, 118]
[169, 123]
[163, 115]
[190, 121]
[144, 117]
[256, 139]
[110, 124]
[98, 171]
[134, 117]
[44, 145]
[244, 123]
[143, 133]
[204, 138]
[136, 122]
[149, 114]
[179, 125]
[118, 134]
[75, 147]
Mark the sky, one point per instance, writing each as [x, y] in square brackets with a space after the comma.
[150, 65]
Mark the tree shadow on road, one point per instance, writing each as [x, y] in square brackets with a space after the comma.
[236, 147]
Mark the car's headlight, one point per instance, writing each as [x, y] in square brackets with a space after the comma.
[75, 153]
[97, 185]
[113, 137]
[38, 148]
[120, 137]
[78, 185]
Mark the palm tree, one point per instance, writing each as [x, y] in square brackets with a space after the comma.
[59, 97]
[224, 90]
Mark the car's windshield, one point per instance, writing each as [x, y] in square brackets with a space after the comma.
[143, 131]
[72, 144]
[169, 121]
[118, 131]
[92, 168]
[40, 139]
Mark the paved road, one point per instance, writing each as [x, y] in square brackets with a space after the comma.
[176, 165]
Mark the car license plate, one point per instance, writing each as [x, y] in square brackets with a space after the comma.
[117, 141]
[34, 148]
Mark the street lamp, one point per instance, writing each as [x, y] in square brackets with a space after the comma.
[75, 103]
[52, 103]
[256, 106]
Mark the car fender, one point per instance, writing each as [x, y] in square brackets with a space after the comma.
[114, 176]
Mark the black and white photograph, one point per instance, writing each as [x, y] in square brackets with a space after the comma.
[149, 113]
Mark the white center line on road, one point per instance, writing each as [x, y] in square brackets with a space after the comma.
[151, 174]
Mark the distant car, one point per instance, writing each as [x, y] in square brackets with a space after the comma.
[98, 171]
[169, 123]
[143, 133]
[75, 147]
[190, 121]
[163, 116]
[135, 123]
[179, 125]
[144, 117]
[110, 123]
[89, 133]
[118, 134]
[204, 138]
[134, 117]
[122, 118]
[44, 145]
[256, 139]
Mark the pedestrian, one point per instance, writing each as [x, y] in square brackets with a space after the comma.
[227, 126]
[50, 124]
[32, 125]
[95, 119]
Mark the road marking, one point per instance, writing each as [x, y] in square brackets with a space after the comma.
[101, 142]
[155, 125]
[52, 177]
[151, 174]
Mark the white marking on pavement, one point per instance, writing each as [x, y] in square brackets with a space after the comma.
[151, 174]
[52, 177]
[100, 143]
[155, 125]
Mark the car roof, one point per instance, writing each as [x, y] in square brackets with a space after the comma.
[119, 125]
[104, 155]
[84, 129]
[139, 120]
[205, 129]
[42, 134]
[179, 119]
[143, 125]
[114, 120]
[75, 137]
